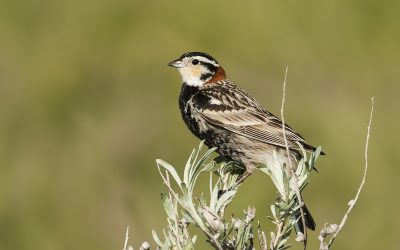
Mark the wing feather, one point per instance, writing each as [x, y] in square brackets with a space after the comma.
[239, 113]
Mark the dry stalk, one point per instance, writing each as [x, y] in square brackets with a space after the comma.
[292, 173]
[353, 202]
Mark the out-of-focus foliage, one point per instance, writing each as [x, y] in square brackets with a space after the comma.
[87, 104]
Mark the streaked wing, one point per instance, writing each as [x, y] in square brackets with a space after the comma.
[239, 113]
[246, 123]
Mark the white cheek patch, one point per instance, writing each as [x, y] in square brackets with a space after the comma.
[191, 75]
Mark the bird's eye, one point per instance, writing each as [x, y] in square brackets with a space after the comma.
[195, 62]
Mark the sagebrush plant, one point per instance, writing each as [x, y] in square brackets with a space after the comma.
[239, 233]
[184, 208]
[207, 212]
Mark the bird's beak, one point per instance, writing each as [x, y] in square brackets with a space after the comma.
[176, 64]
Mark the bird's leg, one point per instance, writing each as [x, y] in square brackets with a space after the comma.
[240, 181]
[243, 177]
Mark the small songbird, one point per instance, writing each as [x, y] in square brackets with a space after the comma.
[226, 117]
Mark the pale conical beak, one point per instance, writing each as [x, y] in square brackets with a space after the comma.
[176, 64]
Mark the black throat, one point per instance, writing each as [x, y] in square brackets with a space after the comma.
[186, 93]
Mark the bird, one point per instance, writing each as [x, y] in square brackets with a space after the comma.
[226, 117]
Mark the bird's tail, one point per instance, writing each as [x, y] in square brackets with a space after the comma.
[308, 219]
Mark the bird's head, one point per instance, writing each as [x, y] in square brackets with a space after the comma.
[198, 68]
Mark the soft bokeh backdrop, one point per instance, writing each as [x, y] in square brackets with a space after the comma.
[87, 104]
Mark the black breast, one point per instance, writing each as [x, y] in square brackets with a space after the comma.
[214, 136]
[186, 93]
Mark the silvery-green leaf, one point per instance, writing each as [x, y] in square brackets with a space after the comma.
[304, 153]
[225, 199]
[318, 152]
[195, 171]
[194, 238]
[203, 201]
[167, 203]
[214, 198]
[170, 169]
[286, 247]
[188, 167]
[185, 190]
[156, 239]
[282, 243]
[300, 167]
[278, 175]
[187, 217]
[273, 210]
[166, 237]
[272, 236]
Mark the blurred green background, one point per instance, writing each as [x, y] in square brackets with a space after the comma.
[87, 104]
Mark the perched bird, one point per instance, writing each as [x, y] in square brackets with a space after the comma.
[226, 117]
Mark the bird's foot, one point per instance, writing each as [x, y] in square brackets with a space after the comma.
[243, 177]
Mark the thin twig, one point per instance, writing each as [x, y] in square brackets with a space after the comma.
[296, 184]
[166, 182]
[126, 239]
[353, 202]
